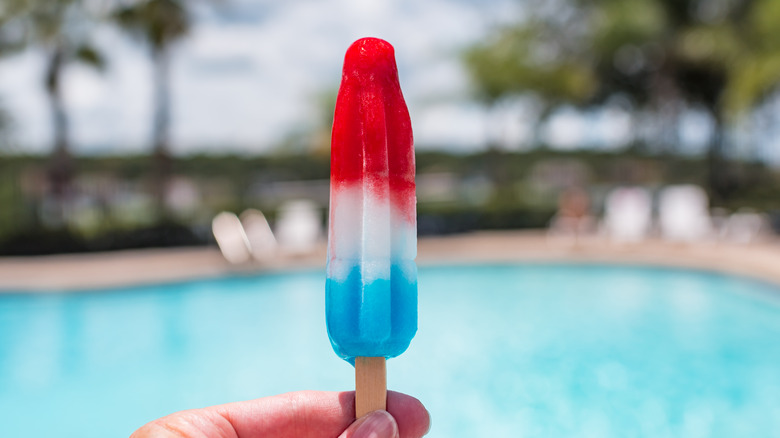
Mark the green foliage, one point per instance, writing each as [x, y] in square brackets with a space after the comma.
[89, 55]
[158, 22]
[722, 56]
[513, 63]
[526, 197]
[627, 22]
[661, 57]
[44, 23]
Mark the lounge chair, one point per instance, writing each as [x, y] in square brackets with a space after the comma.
[627, 214]
[683, 213]
[744, 226]
[230, 237]
[262, 243]
[298, 227]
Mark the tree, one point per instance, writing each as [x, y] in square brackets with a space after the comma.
[663, 56]
[56, 27]
[159, 23]
[6, 46]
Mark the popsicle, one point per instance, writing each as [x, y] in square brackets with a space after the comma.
[371, 288]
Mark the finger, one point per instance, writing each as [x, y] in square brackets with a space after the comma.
[413, 419]
[377, 424]
[298, 414]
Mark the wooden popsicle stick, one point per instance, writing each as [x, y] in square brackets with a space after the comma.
[370, 385]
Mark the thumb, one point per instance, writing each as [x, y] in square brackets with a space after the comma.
[377, 424]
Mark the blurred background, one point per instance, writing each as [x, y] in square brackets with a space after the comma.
[130, 124]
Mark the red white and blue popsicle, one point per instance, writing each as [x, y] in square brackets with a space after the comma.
[371, 291]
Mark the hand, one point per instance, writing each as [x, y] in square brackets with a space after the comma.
[303, 414]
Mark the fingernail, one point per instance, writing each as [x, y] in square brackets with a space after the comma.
[377, 424]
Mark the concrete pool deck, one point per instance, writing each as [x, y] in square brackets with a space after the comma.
[122, 268]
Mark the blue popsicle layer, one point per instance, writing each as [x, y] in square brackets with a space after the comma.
[374, 319]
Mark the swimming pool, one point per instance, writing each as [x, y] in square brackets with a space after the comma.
[544, 350]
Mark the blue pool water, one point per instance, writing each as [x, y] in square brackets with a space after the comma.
[501, 351]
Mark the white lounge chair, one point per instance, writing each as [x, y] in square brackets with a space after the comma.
[744, 226]
[298, 227]
[262, 243]
[627, 214]
[683, 213]
[230, 237]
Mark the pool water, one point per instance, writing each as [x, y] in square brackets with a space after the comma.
[502, 351]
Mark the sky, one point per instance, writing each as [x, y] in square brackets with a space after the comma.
[248, 74]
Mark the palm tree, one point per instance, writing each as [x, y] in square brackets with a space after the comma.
[159, 23]
[57, 28]
[7, 45]
[662, 55]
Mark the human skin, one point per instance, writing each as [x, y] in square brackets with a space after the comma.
[305, 414]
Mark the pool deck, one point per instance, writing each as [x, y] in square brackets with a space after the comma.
[115, 269]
